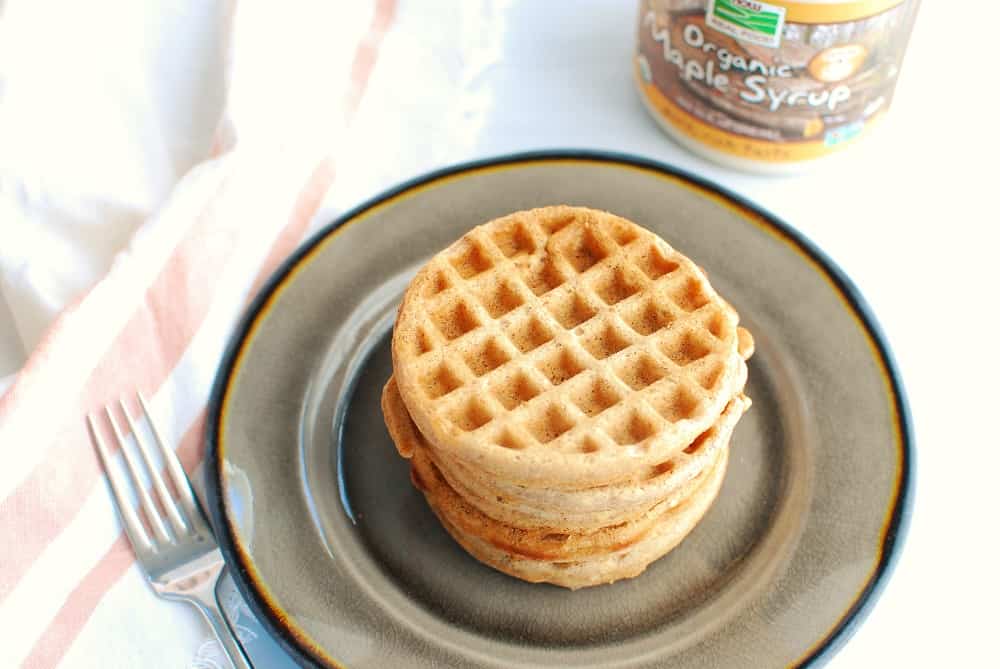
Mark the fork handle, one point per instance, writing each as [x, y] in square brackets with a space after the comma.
[209, 607]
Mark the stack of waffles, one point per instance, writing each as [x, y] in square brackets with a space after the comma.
[565, 386]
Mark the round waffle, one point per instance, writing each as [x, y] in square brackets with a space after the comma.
[568, 510]
[611, 504]
[543, 543]
[564, 347]
[627, 562]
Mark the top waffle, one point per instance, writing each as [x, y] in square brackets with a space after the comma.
[564, 347]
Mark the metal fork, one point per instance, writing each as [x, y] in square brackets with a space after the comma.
[182, 562]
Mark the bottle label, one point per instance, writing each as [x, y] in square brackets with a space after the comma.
[775, 82]
[747, 20]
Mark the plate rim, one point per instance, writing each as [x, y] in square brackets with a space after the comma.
[895, 530]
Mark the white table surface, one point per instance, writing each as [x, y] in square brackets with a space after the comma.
[909, 214]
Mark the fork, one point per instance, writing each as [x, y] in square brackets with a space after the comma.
[182, 562]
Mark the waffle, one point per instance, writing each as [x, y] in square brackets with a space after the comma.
[559, 510]
[612, 504]
[565, 386]
[627, 562]
[553, 544]
[564, 348]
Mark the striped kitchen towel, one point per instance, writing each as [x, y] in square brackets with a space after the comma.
[191, 239]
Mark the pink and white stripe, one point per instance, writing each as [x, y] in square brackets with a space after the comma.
[158, 321]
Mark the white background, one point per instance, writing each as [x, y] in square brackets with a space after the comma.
[910, 214]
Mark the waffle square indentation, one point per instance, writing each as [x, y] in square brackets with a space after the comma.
[654, 263]
[584, 250]
[471, 415]
[689, 295]
[552, 423]
[616, 286]
[543, 277]
[560, 366]
[634, 429]
[529, 334]
[470, 260]
[499, 299]
[516, 390]
[595, 396]
[514, 240]
[640, 371]
[647, 318]
[604, 341]
[570, 309]
[677, 404]
[440, 381]
[486, 357]
[455, 319]
[686, 349]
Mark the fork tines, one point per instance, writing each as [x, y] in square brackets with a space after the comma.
[179, 510]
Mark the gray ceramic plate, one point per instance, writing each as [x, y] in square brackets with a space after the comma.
[343, 562]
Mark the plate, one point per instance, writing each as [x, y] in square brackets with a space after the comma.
[343, 562]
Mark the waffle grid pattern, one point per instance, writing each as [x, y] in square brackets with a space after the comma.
[600, 342]
[653, 480]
